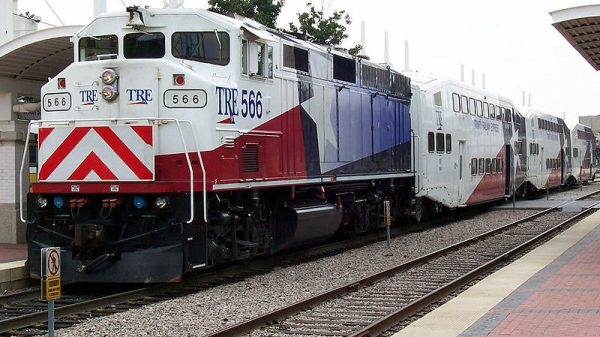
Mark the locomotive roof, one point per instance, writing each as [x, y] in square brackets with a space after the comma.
[231, 23]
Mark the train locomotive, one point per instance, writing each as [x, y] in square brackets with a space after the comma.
[179, 139]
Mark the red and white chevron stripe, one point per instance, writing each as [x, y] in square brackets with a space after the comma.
[99, 153]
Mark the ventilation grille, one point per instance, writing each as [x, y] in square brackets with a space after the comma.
[250, 158]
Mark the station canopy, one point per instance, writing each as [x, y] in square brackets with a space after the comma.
[38, 55]
[581, 27]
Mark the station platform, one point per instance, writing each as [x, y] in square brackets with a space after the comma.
[553, 290]
[12, 266]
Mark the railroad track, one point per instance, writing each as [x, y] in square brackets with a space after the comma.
[22, 314]
[371, 306]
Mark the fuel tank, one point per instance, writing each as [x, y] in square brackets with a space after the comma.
[303, 222]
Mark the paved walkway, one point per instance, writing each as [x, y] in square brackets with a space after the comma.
[552, 291]
[10, 252]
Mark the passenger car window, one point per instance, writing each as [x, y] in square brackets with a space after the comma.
[456, 102]
[486, 111]
[430, 142]
[439, 142]
[472, 106]
[437, 98]
[464, 104]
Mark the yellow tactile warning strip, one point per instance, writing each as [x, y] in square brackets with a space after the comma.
[452, 318]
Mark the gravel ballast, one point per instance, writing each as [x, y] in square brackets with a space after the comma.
[212, 309]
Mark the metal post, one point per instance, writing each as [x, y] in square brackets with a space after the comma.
[389, 242]
[388, 222]
[51, 318]
[514, 197]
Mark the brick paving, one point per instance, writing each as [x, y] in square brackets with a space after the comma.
[12, 252]
[562, 299]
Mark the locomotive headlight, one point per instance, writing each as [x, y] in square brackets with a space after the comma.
[161, 202]
[109, 93]
[109, 76]
[41, 202]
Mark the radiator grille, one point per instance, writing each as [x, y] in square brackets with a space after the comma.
[250, 158]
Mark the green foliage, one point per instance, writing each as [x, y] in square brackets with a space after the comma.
[329, 30]
[263, 11]
[355, 50]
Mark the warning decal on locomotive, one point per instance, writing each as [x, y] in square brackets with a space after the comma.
[124, 153]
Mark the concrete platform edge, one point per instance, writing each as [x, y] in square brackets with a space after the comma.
[457, 315]
[13, 275]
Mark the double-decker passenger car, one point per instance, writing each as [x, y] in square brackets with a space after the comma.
[582, 145]
[464, 151]
[549, 142]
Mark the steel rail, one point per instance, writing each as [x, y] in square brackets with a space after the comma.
[378, 327]
[281, 313]
[26, 294]
[28, 320]
[41, 316]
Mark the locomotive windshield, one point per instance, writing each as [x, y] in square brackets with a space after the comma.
[94, 48]
[144, 45]
[208, 47]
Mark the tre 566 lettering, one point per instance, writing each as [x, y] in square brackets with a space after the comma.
[249, 104]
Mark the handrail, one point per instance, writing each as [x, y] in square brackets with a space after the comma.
[155, 119]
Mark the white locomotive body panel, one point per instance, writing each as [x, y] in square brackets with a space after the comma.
[253, 107]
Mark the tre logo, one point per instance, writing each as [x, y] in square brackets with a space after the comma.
[249, 105]
[139, 96]
[88, 97]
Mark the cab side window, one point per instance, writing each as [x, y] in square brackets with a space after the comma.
[206, 47]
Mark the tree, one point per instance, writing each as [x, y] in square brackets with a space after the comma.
[355, 50]
[320, 29]
[263, 11]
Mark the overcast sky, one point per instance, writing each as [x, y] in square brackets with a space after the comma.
[511, 41]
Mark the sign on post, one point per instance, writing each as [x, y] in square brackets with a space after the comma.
[50, 273]
[50, 282]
